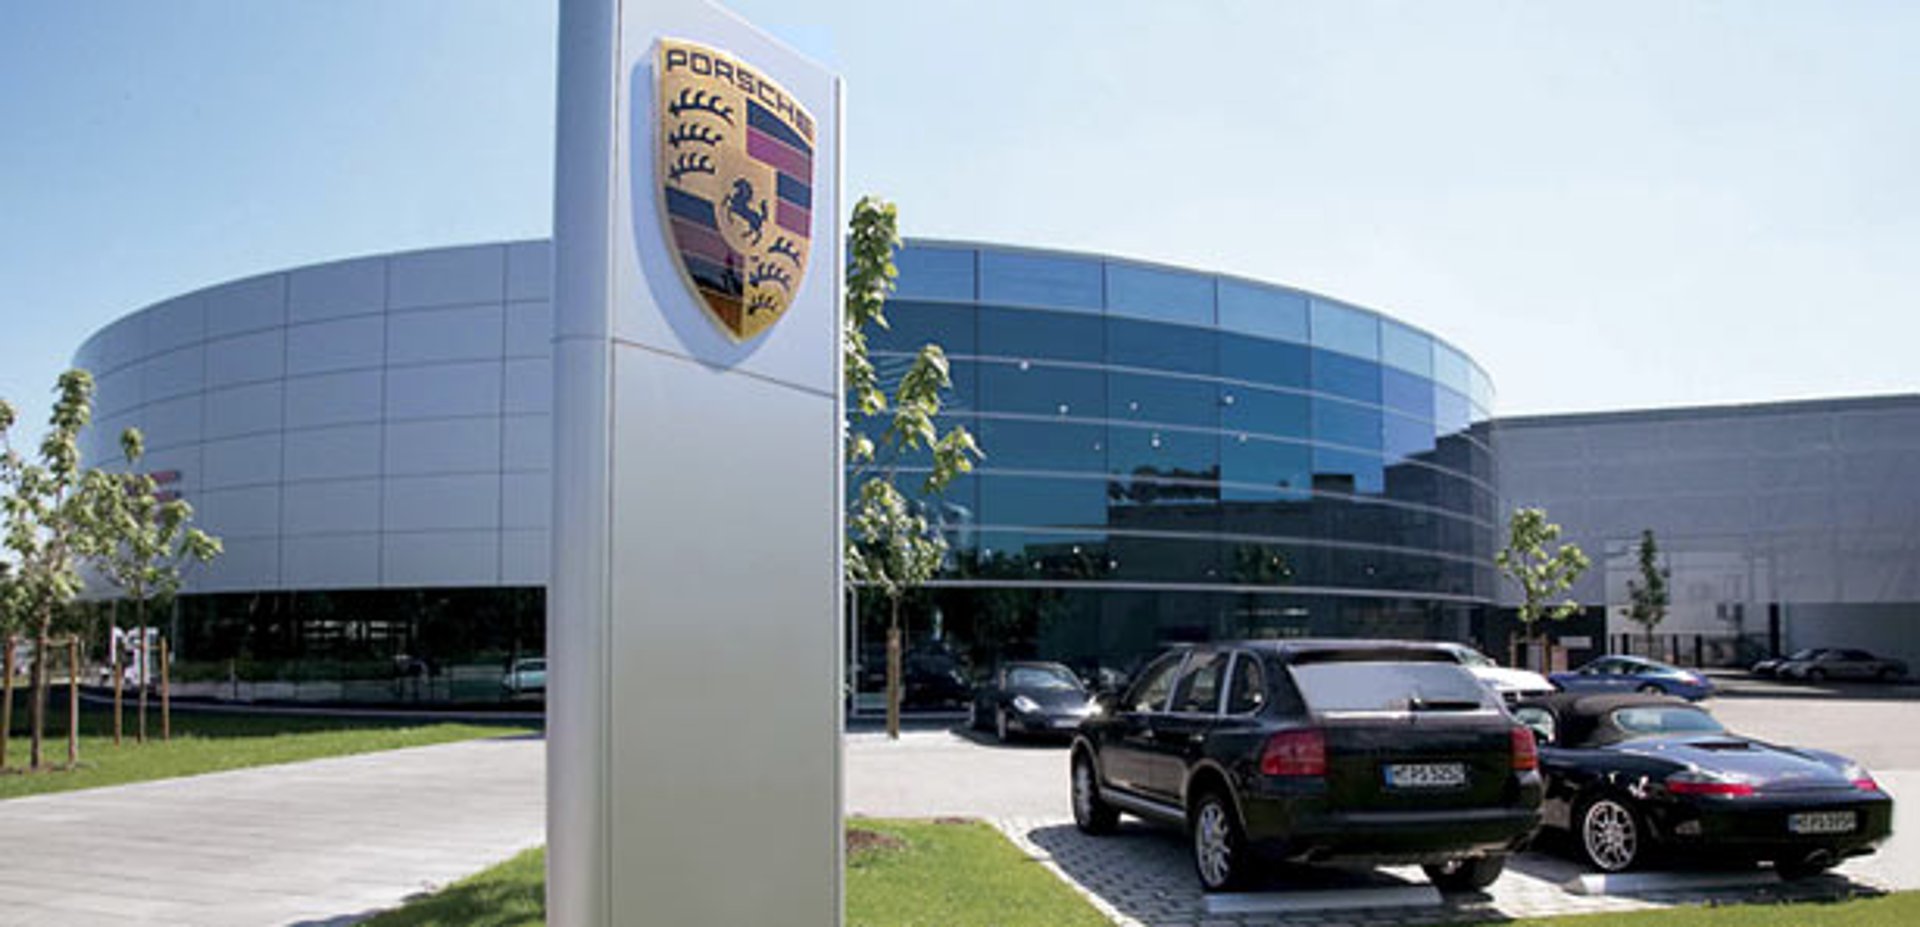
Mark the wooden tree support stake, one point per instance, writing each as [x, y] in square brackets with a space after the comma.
[6, 700]
[73, 701]
[166, 699]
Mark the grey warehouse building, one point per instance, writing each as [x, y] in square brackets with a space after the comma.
[1172, 455]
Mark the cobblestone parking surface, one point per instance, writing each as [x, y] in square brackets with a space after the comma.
[1142, 877]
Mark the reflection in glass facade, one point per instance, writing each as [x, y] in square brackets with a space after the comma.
[1175, 456]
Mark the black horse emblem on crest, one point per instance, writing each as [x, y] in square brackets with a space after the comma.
[740, 206]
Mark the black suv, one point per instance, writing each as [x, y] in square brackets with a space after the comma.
[1312, 751]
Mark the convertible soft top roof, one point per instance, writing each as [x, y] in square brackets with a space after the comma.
[1580, 713]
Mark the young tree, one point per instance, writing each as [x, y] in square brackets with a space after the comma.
[1647, 596]
[45, 528]
[143, 545]
[1540, 567]
[891, 544]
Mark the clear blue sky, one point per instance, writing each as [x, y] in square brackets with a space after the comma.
[1610, 205]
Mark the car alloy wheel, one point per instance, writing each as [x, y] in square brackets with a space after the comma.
[1650, 689]
[1000, 725]
[1217, 845]
[1610, 835]
[1090, 814]
[1816, 675]
[973, 716]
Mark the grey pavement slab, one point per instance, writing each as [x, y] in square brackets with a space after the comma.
[321, 842]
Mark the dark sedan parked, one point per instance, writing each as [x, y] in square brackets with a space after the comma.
[1030, 698]
[1311, 752]
[1631, 775]
[1841, 664]
[1771, 665]
[1620, 673]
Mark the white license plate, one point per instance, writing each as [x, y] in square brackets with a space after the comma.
[1426, 775]
[1066, 724]
[1822, 822]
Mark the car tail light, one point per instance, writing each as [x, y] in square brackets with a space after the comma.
[1861, 779]
[1301, 752]
[1526, 752]
[1693, 783]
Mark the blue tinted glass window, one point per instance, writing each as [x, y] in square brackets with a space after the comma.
[935, 273]
[1255, 360]
[1163, 559]
[912, 324]
[1450, 369]
[1050, 502]
[1043, 445]
[1043, 555]
[1347, 330]
[1336, 422]
[1264, 311]
[1346, 376]
[1037, 389]
[1263, 412]
[1451, 411]
[1480, 390]
[1406, 349]
[1163, 453]
[1162, 295]
[1162, 347]
[1252, 469]
[1405, 392]
[1407, 437]
[1039, 280]
[1141, 397]
[1021, 333]
[1347, 471]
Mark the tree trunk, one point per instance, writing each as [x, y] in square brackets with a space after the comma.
[37, 704]
[893, 673]
[113, 644]
[143, 653]
[73, 701]
[6, 697]
[166, 698]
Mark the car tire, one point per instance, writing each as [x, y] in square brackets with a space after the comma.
[1889, 674]
[1816, 675]
[1091, 813]
[1000, 730]
[1219, 844]
[1610, 835]
[1465, 875]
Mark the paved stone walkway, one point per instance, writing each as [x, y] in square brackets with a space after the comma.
[319, 843]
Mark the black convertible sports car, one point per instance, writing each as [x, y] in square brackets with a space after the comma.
[1630, 775]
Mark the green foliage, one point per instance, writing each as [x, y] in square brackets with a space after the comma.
[891, 545]
[142, 542]
[1540, 567]
[1647, 595]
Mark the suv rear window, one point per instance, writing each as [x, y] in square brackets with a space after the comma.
[1382, 686]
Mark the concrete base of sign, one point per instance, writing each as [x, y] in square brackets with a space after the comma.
[1284, 902]
[1641, 883]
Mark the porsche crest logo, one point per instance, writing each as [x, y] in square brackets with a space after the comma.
[736, 185]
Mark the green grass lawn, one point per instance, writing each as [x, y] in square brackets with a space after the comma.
[204, 743]
[951, 875]
[967, 875]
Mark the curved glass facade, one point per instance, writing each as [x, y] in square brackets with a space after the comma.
[1175, 455]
